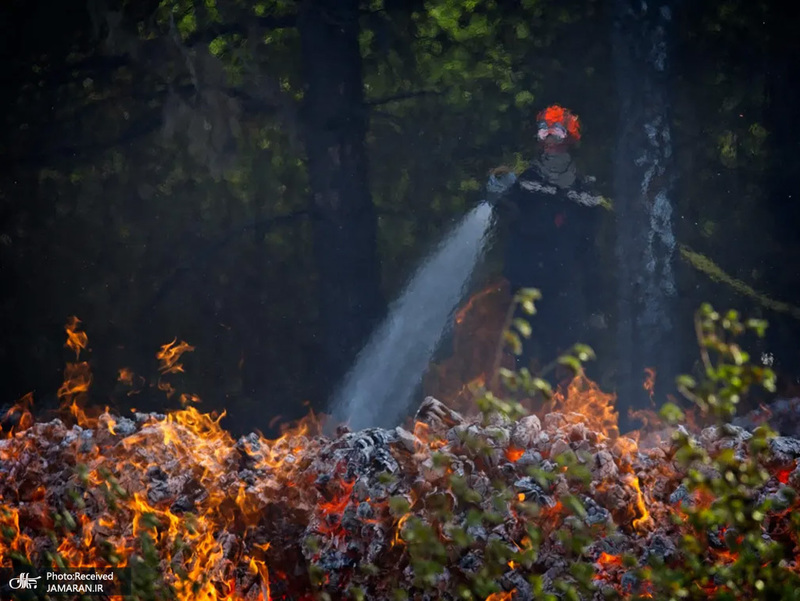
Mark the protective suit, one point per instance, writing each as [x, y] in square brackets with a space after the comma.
[554, 218]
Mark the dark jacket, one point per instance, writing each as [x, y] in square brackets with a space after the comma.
[554, 220]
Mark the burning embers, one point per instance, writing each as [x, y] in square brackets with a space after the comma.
[502, 509]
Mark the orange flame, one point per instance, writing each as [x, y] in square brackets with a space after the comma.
[426, 439]
[125, 376]
[725, 556]
[585, 397]
[166, 388]
[477, 299]
[77, 380]
[20, 415]
[77, 376]
[649, 381]
[186, 443]
[76, 341]
[186, 398]
[642, 522]
[783, 474]
[398, 539]
[193, 445]
[607, 560]
[477, 331]
[513, 453]
[502, 596]
[339, 503]
[170, 354]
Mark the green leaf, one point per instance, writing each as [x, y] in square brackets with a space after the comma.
[217, 46]
[513, 341]
[524, 98]
[541, 385]
[570, 362]
[399, 506]
[522, 326]
[583, 352]
[528, 307]
[672, 414]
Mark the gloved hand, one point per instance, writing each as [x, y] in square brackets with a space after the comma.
[500, 180]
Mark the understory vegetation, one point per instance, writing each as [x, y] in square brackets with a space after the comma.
[722, 538]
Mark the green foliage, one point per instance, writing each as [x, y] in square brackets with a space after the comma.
[747, 566]
[750, 565]
[429, 557]
[728, 373]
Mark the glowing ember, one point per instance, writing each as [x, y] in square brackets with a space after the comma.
[513, 453]
[298, 517]
[724, 556]
[607, 560]
[333, 510]
[783, 474]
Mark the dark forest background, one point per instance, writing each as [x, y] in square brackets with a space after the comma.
[167, 172]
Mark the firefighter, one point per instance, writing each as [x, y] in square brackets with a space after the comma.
[553, 222]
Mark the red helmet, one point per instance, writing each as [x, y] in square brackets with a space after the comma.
[559, 122]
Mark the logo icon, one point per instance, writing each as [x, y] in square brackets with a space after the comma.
[24, 581]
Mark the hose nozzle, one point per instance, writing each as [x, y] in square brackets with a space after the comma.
[500, 181]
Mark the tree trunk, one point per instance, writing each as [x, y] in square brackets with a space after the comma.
[782, 183]
[643, 183]
[344, 224]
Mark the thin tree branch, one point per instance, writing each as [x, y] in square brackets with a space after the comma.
[201, 258]
[402, 96]
[501, 345]
[140, 129]
[266, 22]
[213, 248]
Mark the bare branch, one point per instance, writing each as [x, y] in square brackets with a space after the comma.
[402, 96]
[241, 28]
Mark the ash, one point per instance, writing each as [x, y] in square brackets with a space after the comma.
[306, 514]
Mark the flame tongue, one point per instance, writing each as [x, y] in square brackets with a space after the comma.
[76, 340]
[258, 519]
[236, 517]
[596, 408]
